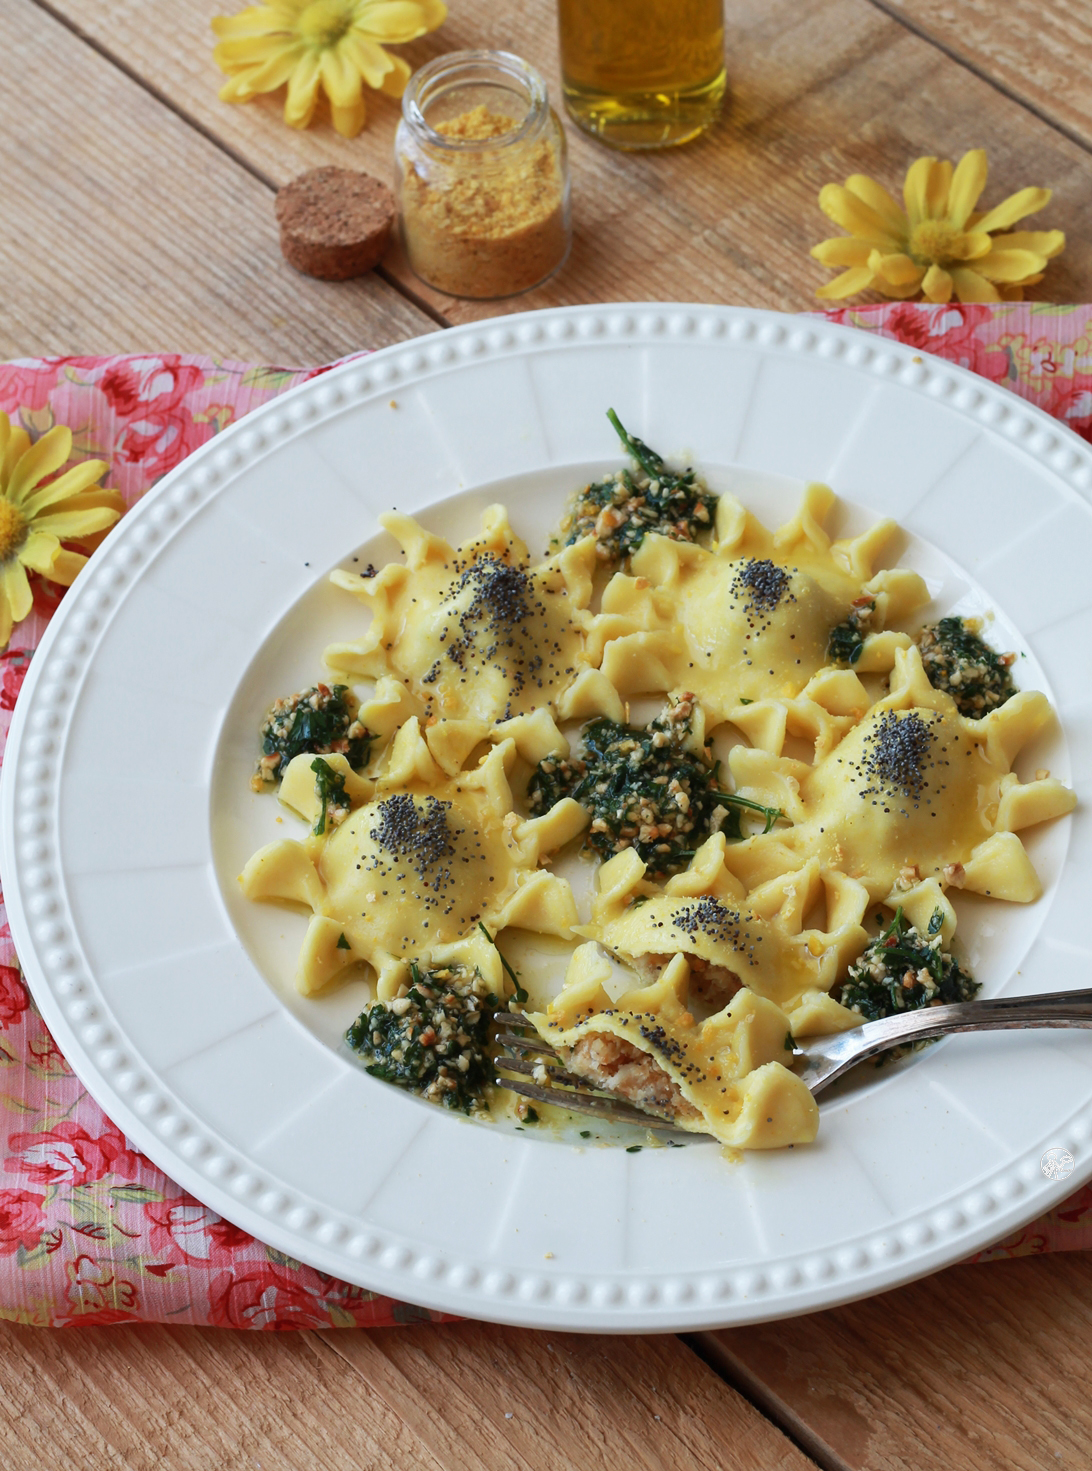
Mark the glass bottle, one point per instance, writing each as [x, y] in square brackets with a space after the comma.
[642, 73]
[482, 176]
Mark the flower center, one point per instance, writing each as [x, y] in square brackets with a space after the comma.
[933, 240]
[324, 22]
[13, 529]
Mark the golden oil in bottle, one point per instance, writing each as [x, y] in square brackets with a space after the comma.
[642, 73]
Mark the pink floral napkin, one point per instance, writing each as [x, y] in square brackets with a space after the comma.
[90, 1230]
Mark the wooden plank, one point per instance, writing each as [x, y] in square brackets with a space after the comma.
[817, 93]
[1039, 53]
[122, 229]
[190, 1399]
[984, 1368]
[481, 1396]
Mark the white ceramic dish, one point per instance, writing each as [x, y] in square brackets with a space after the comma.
[126, 817]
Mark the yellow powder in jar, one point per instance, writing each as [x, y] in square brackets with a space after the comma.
[485, 223]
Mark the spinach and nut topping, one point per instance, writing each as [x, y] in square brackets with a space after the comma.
[645, 789]
[321, 720]
[434, 1040]
[904, 970]
[621, 510]
[847, 638]
[962, 664]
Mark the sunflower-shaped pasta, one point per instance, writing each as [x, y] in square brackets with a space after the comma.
[723, 1076]
[914, 791]
[754, 619]
[412, 860]
[473, 632]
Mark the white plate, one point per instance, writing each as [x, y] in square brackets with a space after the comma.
[126, 817]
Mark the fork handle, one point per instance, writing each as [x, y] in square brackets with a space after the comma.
[1054, 1009]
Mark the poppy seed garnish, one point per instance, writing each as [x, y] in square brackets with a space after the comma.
[501, 625]
[763, 583]
[897, 754]
[718, 923]
[420, 834]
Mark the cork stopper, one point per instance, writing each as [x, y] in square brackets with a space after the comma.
[335, 223]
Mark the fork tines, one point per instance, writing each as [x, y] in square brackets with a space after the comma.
[523, 1052]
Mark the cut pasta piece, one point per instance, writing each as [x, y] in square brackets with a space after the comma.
[759, 941]
[724, 1076]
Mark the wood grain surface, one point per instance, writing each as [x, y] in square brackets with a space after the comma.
[975, 1369]
[136, 213]
[461, 1396]
[123, 230]
[1040, 54]
[818, 91]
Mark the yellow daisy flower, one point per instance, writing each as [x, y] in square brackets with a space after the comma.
[35, 518]
[938, 244]
[336, 45]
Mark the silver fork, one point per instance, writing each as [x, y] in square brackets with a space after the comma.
[823, 1059]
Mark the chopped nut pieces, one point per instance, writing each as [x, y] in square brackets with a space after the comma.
[322, 720]
[433, 1040]
[958, 661]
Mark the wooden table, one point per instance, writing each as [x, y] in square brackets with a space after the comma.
[136, 213]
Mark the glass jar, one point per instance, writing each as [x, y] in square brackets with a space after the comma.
[642, 73]
[482, 176]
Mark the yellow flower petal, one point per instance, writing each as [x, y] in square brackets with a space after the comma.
[303, 86]
[74, 524]
[857, 278]
[348, 121]
[249, 51]
[39, 552]
[895, 270]
[1047, 243]
[843, 250]
[235, 89]
[394, 83]
[41, 459]
[16, 590]
[968, 182]
[937, 286]
[880, 202]
[66, 566]
[98, 495]
[340, 78]
[970, 287]
[5, 620]
[1023, 202]
[845, 209]
[256, 20]
[971, 246]
[1010, 265]
[938, 188]
[71, 483]
[370, 60]
[267, 77]
[16, 447]
[915, 190]
[394, 21]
